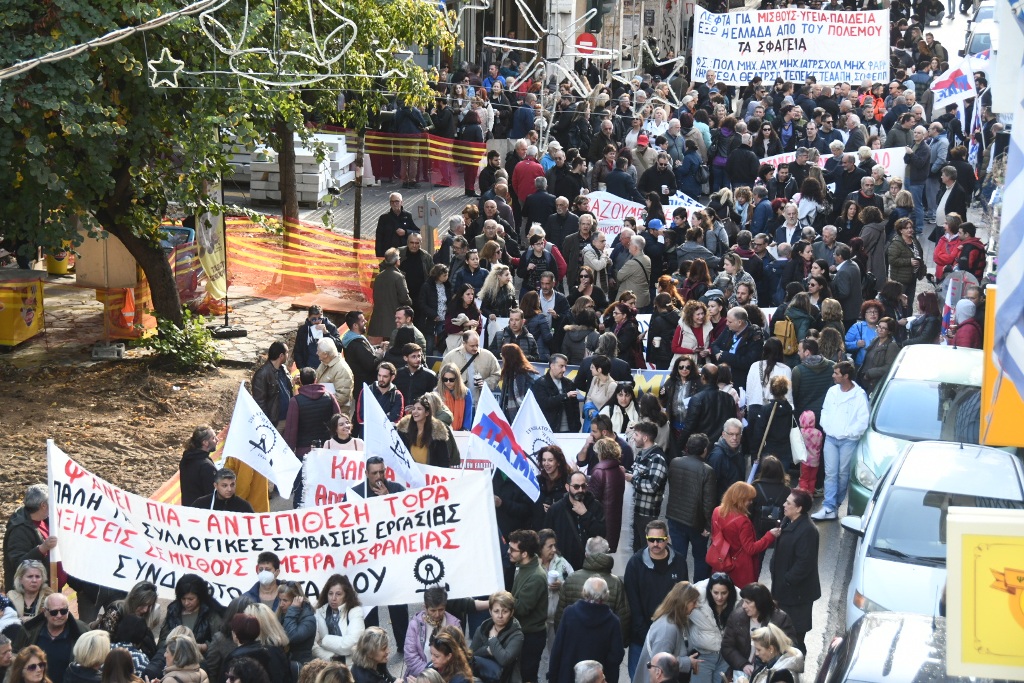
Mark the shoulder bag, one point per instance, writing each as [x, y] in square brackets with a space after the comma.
[796, 443]
[719, 556]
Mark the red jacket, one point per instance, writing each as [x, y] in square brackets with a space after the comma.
[968, 335]
[608, 483]
[739, 532]
[526, 172]
[947, 251]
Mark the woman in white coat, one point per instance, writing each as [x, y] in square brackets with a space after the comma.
[339, 619]
[707, 623]
[761, 375]
[670, 631]
[594, 257]
[774, 652]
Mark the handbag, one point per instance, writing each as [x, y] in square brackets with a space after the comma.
[719, 556]
[796, 443]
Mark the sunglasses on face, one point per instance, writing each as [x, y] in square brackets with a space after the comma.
[35, 667]
[449, 380]
[63, 611]
[657, 539]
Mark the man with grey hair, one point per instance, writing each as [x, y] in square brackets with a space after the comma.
[635, 274]
[607, 345]
[938, 151]
[588, 671]
[664, 667]
[825, 248]
[523, 177]
[55, 631]
[394, 226]
[456, 226]
[588, 629]
[6, 654]
[539, 205]
[597, 563]
[27, 537]
[918, 160]
[561, 222]
[854, 135]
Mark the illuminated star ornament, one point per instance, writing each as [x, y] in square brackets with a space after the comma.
[392, 50]
[164, 72]
[626, 75]
[291, 67]
[566, 37]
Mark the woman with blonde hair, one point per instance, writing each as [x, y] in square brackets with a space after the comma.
[370, 660]
[298, 619]
[731, 521]
[498, 295]
[669, 630]
[693, 334]
[30, 590]
[456, 396]
[774, 652]
[732, 263]
[272, 637]
[500, 638]
[183, 660]
[87, 657]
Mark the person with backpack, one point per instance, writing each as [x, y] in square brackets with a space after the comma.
[972, 257]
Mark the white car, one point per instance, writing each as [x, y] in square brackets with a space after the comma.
[900, 561]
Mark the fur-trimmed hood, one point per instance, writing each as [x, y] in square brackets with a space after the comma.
[438, 431]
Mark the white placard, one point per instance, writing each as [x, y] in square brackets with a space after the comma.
[834, 47]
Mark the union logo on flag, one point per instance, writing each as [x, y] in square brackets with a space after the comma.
[956, 83]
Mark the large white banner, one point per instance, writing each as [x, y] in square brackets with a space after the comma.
[611, 209]
[833, 47]
[891, 158]
[391, 548]
[328, 475]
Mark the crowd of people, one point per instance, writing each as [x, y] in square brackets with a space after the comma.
[523, 279]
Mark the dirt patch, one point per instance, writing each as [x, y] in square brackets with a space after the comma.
[127, 422]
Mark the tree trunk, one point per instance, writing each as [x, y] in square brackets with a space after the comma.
[357, 203]
[286, 162]
[154, 264]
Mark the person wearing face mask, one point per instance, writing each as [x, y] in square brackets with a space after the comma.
[268, 566]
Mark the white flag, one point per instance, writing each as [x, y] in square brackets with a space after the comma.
[383, 440]
[253, 439]
[492, 439]
[531, 427]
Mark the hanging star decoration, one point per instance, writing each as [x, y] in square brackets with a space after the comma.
[160, 75]
[677, 63]
[532, 46]
[290, 67]
[392, 50]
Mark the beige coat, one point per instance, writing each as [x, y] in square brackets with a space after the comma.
[485, 365]
[635, 276]
[338, 373]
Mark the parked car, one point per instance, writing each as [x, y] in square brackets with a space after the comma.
[887, 647]
[979, 37]
[986, 11]
[900, 560]
[931, 392]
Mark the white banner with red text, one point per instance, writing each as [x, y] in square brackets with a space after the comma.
[328, 474]
[890, 158]
[611, 210]
[793, 43]
[391, 548]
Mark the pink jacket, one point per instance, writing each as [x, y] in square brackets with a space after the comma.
[813, 438]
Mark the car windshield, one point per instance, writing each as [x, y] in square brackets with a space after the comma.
[912, 524]
[979, 43]
[916, 410]
[985, 12]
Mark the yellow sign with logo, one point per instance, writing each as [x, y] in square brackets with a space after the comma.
[985, 593]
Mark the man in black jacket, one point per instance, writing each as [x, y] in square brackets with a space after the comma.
[727, 458]
[621, 184]
[691, 501]
[795, 583]
[739, 347]
[742, 164]
[223, 496]
[24, 538]
[413, 379]
[197, 470]
[575, 517]
[538, 206]
[315, 327]
[659, 178]
[393, 227]
[955, 196]
[271, 386]
[709, 408]
[557, 397]
[360, 355]
[55, 630]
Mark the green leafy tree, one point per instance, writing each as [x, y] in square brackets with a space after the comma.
[86, 141]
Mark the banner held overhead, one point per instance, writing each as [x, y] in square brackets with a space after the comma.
[833, 47]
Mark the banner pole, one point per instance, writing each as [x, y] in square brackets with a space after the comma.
[51, 520]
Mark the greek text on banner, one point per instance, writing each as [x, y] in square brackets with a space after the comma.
[329, 474]
[391, 547]
[792, 43]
